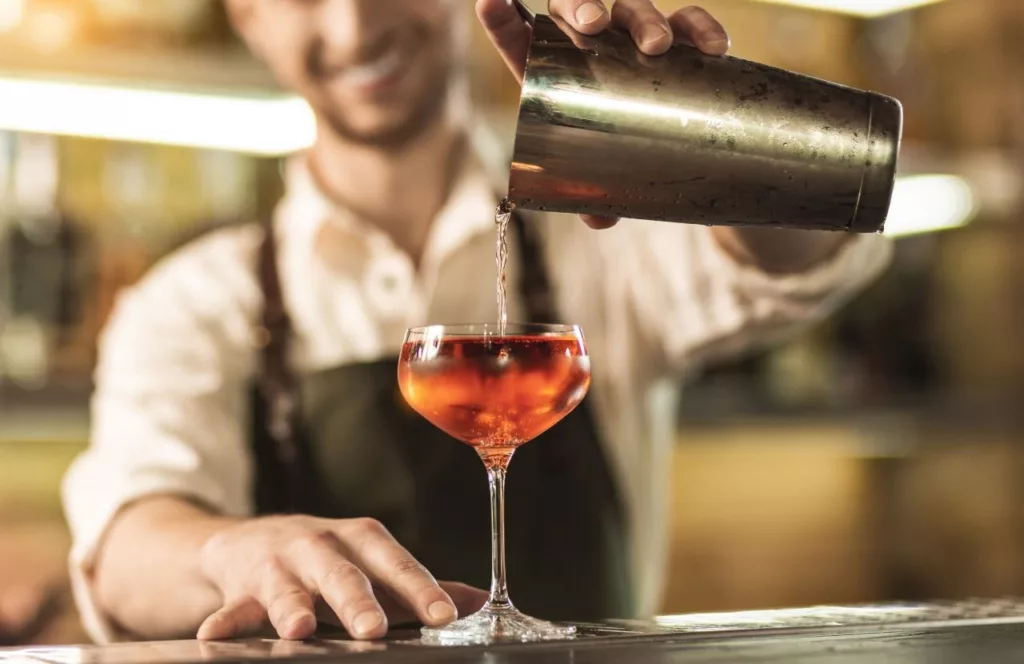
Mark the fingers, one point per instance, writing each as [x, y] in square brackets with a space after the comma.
[507, 31]
[587, 16]
[288, 604]
[467, 599]
[648, 26]
[315, 568]
[281, 599]
[341, 584]
[394, 568]
[599, 223]
[239, 618]
[348, 592]
[701, 29]
[396, 610]
[19, 606]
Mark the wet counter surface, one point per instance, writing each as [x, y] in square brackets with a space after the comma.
[968, 632]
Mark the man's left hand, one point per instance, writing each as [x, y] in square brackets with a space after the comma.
[653, 32]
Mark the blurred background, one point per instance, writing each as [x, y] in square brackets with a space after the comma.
[879, 456]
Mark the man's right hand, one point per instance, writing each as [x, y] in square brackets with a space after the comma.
[296, 570]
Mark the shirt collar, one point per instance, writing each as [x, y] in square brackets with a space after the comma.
[469, 210]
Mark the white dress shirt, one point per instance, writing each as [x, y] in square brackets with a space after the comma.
[655, 300]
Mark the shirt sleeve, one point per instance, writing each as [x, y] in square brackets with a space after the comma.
[701, 304]
[167, 412]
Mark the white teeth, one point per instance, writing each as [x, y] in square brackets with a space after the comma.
[376, 71]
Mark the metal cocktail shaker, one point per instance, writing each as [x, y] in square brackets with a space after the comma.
[606, 130]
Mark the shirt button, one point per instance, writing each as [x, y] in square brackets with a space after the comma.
[388, 286]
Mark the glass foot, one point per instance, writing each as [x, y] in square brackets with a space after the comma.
[496, 624]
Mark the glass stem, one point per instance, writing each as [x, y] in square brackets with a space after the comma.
[499, 585]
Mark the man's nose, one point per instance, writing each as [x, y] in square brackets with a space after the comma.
[350, 29]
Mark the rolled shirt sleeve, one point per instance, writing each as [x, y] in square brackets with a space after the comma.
[657, 301]
[168, 409]
[695, 303]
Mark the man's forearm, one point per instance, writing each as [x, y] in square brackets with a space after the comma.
[779, 251]
[147, 575]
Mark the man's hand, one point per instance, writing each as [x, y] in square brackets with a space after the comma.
[296, 570]
[21, 606]
[770, 250]
[652, 31]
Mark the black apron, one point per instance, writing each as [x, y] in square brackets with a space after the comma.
[342, 443]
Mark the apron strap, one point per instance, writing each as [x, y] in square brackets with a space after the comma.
[534, 285]
[276, 382]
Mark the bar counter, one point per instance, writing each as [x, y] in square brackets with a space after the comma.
[952, 633]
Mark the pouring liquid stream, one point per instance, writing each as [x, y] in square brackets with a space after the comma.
[501, 218]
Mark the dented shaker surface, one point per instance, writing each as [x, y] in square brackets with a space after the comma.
[606, 130]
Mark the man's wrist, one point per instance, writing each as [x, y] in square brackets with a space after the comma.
[778, 251]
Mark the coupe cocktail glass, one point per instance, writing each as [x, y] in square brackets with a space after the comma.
[495, 390]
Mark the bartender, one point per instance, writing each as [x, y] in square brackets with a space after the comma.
[249, 362]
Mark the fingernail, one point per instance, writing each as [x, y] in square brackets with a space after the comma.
[716, 38]
[441, 612]
[653, 34]
[589, 13]
[366, 622]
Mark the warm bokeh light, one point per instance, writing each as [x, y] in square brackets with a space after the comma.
[927, 203]
[260, 125]
[51, 30]
[11, 14]
[279, 125]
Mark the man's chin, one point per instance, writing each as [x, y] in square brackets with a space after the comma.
[388, 129]
[391, 134]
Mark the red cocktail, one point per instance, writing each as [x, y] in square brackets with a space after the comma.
[495, 392]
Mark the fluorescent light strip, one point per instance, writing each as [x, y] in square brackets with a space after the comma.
[274, 126]
[267, 126]
[929, 203]
[863, 8]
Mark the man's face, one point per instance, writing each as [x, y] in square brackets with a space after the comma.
[375, 70]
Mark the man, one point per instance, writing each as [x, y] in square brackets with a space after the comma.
[388, 223]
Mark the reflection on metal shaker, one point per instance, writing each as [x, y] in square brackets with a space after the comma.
[606, 130]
